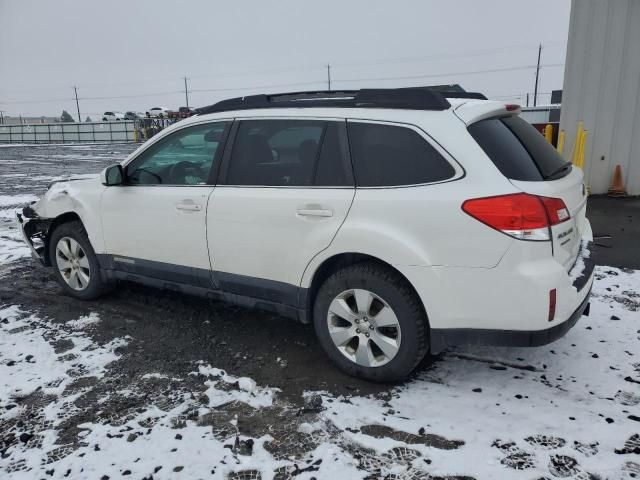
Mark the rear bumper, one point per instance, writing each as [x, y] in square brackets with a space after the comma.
[444, 337]
[508, 304]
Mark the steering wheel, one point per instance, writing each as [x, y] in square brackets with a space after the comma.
[179, 171]
[138, 171]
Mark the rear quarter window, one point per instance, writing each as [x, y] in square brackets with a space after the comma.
[518, 150]
[389, 155]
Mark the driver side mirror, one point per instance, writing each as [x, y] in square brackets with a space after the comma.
[112, 175]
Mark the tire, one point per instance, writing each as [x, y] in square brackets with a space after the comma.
[89, 284]
[388, 290]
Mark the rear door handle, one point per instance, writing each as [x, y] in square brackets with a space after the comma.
[189, 207]
[315, 212]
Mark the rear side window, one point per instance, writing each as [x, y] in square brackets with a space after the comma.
[388, 155]
[287, 153]
[518, 150]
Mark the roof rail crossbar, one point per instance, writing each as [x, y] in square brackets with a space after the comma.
[413, 98]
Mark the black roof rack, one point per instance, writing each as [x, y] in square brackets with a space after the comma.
[453, 90]
[411, 98]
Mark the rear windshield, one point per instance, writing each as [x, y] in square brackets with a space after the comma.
[518, 150]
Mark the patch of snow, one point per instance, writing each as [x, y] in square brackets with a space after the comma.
[148, 376]
[84, 322]
[15, 200]
[12, 246]
[578, 268]
[28, 362]
[248, 392]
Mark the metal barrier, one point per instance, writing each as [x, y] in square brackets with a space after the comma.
[92, 132]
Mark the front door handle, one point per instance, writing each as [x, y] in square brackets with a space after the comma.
[188, 206]
[314, 212]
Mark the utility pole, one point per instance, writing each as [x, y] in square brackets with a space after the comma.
[527, 99]
[535, 90]
[1, 117]
[186, 91]
[75, 89]
[328, 77]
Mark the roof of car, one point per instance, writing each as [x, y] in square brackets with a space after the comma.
[412, 98]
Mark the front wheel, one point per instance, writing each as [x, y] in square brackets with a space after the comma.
[75, 263]
[371, 323]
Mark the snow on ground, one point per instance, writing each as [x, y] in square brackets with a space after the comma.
[563, 409]
[567, 410]
[40, 382]
[12, 247]
[15, 200]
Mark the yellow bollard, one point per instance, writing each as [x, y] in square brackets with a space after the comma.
[583, 143]
[135, 135]
[560, 142]
[576, 145]
[548, 133]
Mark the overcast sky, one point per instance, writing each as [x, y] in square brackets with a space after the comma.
[132, 55]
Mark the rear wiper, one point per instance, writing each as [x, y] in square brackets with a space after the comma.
[558, 170]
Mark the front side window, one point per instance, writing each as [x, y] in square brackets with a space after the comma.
[389, 155]
[288, 153]
[184, 157]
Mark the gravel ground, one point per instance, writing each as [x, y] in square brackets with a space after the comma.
[143, 384]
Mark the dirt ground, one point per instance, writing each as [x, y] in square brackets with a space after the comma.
[166, 343]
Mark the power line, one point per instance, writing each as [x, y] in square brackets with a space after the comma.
[307, 83]
[385, 61]
[461, 54]
[257, 87]
[435, 75]
[133, 96]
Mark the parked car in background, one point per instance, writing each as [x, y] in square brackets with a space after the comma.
[133, 115]
[396, 221]
[112, 116]
[182, 112]
[158, 112]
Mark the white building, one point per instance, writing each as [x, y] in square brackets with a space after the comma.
[602, 89]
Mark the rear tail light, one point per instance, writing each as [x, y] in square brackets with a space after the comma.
[519, 215]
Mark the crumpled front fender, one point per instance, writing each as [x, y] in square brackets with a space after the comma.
[34, 232]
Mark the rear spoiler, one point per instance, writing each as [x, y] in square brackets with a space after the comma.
[471, 112]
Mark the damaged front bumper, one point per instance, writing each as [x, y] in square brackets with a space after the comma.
[34, 232]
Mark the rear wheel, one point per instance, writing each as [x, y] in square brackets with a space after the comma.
[75, 263]
[371, 323]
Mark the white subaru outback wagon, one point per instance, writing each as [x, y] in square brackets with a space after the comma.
[397, 221]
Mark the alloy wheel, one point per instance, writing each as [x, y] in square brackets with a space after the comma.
[364, 328]
[73, 264]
